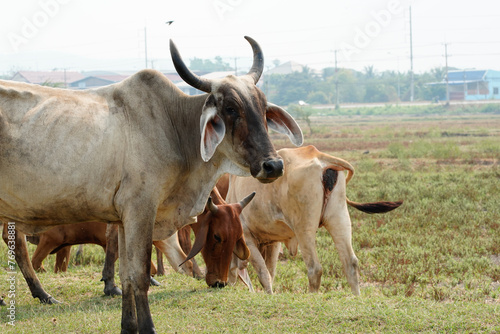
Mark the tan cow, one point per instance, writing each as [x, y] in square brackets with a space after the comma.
[139, 153]
[311, 194]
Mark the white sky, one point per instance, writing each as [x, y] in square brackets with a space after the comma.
[109, 34]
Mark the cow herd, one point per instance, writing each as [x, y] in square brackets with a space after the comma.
[133, 164]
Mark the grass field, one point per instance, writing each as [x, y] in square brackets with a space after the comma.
[432, 265]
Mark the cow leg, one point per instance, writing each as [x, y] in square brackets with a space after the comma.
[42, 250]
[24, 263]
[271, 258]
[259, 264]
[108, 272]
[307, 244]
[152, 281]
[232, 275]
[129, 317]
[135, 246]
[159, 261]
[78, 255]
[338, 224]
[62, 259]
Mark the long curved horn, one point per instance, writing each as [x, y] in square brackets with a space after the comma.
[244, 202]
[258, 60]
[189, 77]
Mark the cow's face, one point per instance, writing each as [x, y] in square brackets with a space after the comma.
[225, 237]
[219, 235]
[235, 118]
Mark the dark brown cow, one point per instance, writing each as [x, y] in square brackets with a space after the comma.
[60, 238]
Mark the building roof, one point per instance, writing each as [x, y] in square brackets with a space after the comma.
[461, 76]
[41, 77]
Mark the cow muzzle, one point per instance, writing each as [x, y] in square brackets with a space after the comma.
[218, 284]
[270, 171]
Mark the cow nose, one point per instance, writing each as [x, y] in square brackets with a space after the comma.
[273, 168]
[219, 284]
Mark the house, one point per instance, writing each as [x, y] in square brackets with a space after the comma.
[472, 84]
[49, 78]
[97, 81]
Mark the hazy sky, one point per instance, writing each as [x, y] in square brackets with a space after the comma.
[102, 35]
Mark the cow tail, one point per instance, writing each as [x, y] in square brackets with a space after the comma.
[330, 179]
[375, 207]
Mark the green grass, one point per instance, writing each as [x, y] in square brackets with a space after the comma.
[432, 265]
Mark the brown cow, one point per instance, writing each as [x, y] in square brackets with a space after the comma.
[218, 234]
[60, 239]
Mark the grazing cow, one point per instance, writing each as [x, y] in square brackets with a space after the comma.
[311, 194]
[218, 234]
[60, 239]
[138, 153]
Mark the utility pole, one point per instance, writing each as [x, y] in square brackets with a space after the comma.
[447, 80]
[336, 83]
[411, 61]
[145, 47]
[236, 66]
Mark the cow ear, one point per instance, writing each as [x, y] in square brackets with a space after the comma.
[281, 121]
[212, 129]
[241, 250]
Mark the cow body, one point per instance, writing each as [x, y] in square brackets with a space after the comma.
[60, 239]
[311, 194]
[139, 153]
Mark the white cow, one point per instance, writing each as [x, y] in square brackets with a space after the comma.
[311, 194]
[139, 153]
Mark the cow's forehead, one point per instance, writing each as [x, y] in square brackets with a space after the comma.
[238, 87]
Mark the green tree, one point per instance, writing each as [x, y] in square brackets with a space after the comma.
[207, 65]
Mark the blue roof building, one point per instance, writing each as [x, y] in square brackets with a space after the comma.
[473, 84]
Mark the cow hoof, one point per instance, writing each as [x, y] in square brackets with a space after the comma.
[49, 300]
[114, 291]
[2, 302]
[154, 282]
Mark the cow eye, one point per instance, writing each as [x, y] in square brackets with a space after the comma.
[231, 111]
[217, 238]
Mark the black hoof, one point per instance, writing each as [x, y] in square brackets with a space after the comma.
[114, 291]
[49, 300]
[154, 282]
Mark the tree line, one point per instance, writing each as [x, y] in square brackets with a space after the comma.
[344, 85]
